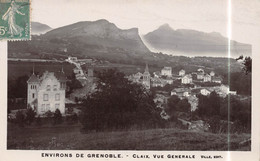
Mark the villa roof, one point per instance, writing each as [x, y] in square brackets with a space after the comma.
[33, 79]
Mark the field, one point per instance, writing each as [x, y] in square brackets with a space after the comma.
[69, 137]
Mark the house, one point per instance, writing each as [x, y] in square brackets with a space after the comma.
[136, 78]
[77, 71]
[205, 92]
[46, 93]
[138, 75]
[187, 79]
[207, 78]
[157, 74]
[168, 80]
[200, 75]
[71, 59]
[200, 70]
[216, 79]
[157, 82]
[182, 72]
[167, 71]
[224, 89]
[181, 92]
[232, 92]
[212, 73]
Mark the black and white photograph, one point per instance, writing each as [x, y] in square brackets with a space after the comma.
[168, 75]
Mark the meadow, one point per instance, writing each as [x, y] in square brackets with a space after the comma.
[69, 137]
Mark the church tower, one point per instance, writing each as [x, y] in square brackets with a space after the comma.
[146, 77]
[32, 88]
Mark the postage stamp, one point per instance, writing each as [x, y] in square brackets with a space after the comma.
[14, 19]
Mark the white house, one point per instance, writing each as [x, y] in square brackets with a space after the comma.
[216, 79]
[207, 78]
[201, 70]
[168, 80]
[157, 74]
[47, 93]
[157, 82]
[200, 75]
[181, 92]
[204, 92]
[182, 72]
[187, 79]
[232, 92]
[167, 71]
[212, 73]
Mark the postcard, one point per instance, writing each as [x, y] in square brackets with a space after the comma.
[129, 80]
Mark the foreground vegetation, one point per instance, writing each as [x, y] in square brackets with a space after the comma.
[70, 137]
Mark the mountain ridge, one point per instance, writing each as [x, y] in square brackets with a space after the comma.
[193, 42]
[101, 32]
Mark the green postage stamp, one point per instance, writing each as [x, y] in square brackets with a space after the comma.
[15, 20]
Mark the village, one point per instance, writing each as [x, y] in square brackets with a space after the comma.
[48, 92]
[48, 100]
[187, 85]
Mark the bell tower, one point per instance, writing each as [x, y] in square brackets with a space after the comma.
[146, 77]
[32, 88]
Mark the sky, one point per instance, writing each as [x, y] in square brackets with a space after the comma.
[148, 15]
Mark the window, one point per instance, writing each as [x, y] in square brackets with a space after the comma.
[47, 107]
[45, 97]
[57, 105]
[57, 97]
[43, 108]
[48, 87]
[55, 87]
[33, 95]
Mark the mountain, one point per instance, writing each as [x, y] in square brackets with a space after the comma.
[101, 34]
[106, 43]
[192, 43]
[39, 28]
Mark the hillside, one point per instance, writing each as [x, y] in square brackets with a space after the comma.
[193, 43]
[154, 139]
[99, 33]
[39, 28]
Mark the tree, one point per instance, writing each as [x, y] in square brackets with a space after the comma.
[183, 106]
[175, 105]
[209, 106]
[247, 62]
[57, 117]
[18, 88]
[73, 84]
[118, 104]
[172, 103]
[20, 118]
[30, 115]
